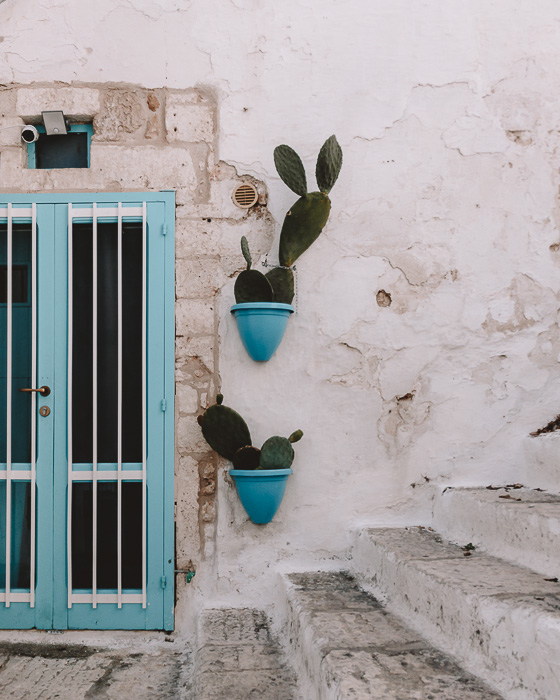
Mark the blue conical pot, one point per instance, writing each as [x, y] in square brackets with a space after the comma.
[260, 491]
[261, 325]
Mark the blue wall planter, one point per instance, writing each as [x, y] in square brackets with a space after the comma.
[261, 325]
[260, 491]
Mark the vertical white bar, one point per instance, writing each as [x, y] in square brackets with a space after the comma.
[69, 405]
[119, 411]
[144, 411]
[9, 407]
[94, 410]
[33, 400]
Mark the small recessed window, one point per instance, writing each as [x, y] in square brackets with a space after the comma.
[65, 151]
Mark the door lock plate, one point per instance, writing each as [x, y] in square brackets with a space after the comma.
[44, 411]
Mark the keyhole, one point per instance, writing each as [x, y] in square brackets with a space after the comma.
[44, 411]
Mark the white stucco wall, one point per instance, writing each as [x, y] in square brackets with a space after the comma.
[448, 115]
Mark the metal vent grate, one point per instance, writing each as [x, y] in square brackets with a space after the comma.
[245, 196]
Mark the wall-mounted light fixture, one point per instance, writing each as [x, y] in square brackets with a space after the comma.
[55, 123]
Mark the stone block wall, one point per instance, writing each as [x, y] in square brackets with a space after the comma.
[156, 139]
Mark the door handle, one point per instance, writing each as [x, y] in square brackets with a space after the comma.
[44, 390]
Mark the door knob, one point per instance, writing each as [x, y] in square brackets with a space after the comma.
[44, 390]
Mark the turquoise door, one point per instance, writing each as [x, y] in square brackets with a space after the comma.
[86, 411]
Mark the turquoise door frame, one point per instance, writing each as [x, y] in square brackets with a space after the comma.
[152, 606]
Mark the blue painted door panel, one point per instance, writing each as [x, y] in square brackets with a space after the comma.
[53, 608]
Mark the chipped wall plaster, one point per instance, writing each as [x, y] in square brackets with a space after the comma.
[447, 201]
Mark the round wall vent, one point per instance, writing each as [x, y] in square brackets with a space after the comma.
[245, 196]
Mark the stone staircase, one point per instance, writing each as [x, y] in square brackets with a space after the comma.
[346, 646]
[417, 618]
[517, 524]
[500, 619]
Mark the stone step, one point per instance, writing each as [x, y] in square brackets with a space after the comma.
[520, 525]
[501, 621]
[346, 646]
[238, 658]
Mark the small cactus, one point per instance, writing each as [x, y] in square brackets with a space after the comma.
[277, 452]
[302, 224]
[224, 429]
[251, 285]
[227, 433]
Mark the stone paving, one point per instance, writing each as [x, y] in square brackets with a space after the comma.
[239, 659]
[36, 671]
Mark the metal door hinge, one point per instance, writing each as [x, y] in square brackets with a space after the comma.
[163, 581]
[164, 404]
[164, 229]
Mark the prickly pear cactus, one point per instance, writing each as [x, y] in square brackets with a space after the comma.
[247, 457]
[277, 453]
[224, 429]
[281, 279]
[302, 224]
[251, 285]
[308, 216]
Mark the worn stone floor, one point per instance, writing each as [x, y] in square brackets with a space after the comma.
[49, 671]
[239, 658]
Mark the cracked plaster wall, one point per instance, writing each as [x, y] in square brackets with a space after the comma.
[448, 202]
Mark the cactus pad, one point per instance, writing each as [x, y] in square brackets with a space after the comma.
[281, 280]
[329, 163]
[291, 170]
[296, 436]
[252, 285]
[246, 252]
[224, 430]
[302, 225]
[247, 457]
[277, 453]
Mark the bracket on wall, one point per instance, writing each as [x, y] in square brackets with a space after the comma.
[189, 573]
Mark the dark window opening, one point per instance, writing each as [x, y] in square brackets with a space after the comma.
[82, 535]
[68, 151]
[20, 549]
[107, 342]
